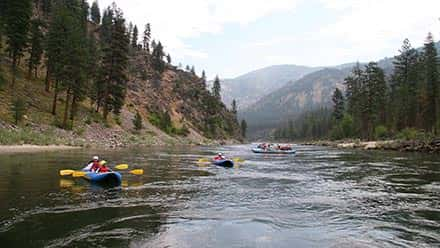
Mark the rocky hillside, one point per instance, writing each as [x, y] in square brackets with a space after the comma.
[250, 87]
[113, 92]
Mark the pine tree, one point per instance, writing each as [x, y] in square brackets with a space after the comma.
[168, 59]
[157, 58]
[204, 78]
[243, 127]
[18, 110]
[193, 70]
[146, 38]
[95, 13]
[404, 86]
[3, 5]
[234, 107]
[431, 76]
[36, 46]
[216, 88]
[18, 14]
[134, 38]
[114, 62]
[338, 105]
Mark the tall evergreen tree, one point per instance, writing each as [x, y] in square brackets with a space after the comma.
[95, 13]
[234, 107]
[36, 46]
[146, 38]
[114, 63]
[338, 105]
[404, 86]
[134, 37]
[18, 14]
[243, 127]
[431, 85]
[168, 59]
[157, 58]
[203, 79]
[216, 88]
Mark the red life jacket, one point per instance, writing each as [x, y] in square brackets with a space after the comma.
[95, 166]
[218, 157]
[103, 169]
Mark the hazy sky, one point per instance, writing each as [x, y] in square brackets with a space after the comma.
[232, 37]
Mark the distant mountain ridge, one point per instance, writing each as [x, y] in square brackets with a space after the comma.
[250, 87]
[311, 91]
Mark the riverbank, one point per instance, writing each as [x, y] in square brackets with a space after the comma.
[94, 135]
[11, 149]
[430, 146]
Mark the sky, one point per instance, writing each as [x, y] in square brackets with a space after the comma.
[231, 37]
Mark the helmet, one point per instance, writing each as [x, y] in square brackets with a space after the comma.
[95, 158]
[103, 162]
[220, 154]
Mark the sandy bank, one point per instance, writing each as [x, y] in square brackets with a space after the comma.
[33, 148]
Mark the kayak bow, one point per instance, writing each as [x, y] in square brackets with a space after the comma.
[225, 163]
[113, 177]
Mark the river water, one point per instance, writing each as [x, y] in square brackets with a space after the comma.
[321, 197]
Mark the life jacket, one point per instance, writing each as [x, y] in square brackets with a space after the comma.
[103, 169]
[218, 157]
[95, 166]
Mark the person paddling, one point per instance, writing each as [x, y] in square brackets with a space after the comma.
[102, 167]
[219, 156]
[92, 165]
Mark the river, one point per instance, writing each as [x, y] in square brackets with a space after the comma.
[321, 197]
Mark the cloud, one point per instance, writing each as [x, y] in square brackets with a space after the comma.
[376, 25]
[173, 21]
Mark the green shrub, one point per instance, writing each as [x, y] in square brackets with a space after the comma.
[343, 129]
[118, 120]
[137, 121]
[27, 136]
[409, 134]
[380, 132]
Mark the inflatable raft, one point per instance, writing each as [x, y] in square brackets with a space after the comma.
[273, 151]
[112, 178]
[225, 163]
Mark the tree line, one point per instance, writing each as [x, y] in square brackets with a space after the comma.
[376, 105]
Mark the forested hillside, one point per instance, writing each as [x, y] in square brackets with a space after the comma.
[405, 104]
[70, 69]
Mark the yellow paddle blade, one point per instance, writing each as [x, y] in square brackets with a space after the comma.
[238, 160]
[137, 172]
[66, 172]
[121, 166]
[79, 173]
[203, 160]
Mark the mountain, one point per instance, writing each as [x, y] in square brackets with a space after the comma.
[250, 87]
[312, 91]
[307, 93]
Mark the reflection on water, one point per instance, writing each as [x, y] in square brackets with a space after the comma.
[319, 198]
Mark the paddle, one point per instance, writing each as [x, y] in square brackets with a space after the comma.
[74, 173]
[66, 172]
[83, 173]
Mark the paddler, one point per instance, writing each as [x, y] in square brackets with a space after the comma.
[93, 165]
[102, 167]
[219, 156]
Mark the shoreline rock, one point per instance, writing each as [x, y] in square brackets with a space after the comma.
[432, 146]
